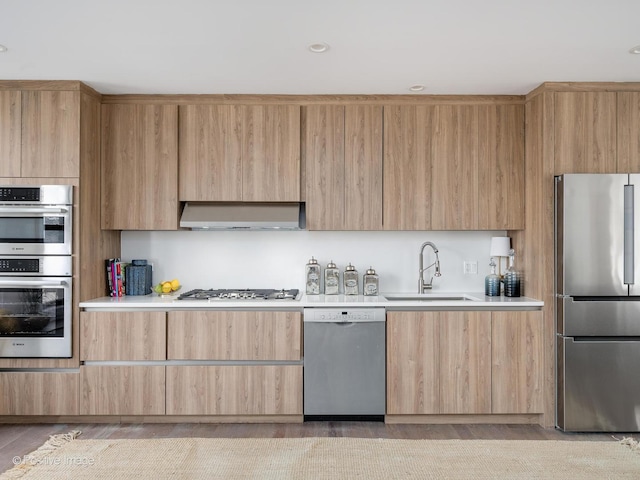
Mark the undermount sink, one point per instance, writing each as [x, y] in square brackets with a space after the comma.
[431, 297]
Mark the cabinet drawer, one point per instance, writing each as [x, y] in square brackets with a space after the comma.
[234, 390]
[123, 336]
[234, 335]
[122, 390]
[38, 393]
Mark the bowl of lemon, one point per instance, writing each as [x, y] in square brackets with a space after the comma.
[167, 288]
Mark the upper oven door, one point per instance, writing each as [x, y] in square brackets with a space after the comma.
[35, 230]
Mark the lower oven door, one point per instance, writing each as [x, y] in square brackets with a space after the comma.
[35, 317]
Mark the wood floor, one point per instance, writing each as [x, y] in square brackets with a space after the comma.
[19, 440]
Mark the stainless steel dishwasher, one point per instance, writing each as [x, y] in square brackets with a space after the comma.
[344, 362]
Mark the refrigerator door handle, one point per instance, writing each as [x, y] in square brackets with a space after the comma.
[628, 235]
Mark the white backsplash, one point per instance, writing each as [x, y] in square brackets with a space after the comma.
[276, 259]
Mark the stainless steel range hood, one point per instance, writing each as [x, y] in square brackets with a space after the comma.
[242, 216]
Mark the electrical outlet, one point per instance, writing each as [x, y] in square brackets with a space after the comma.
[470, 267]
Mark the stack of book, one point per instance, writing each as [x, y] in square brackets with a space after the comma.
[116, 277]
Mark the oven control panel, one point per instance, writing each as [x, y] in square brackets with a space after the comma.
[19, 194]
[19, 265]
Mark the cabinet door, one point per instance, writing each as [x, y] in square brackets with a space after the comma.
[123, 336]
[465, 362]
[139, 167]
[270, 153]
[50, 134]
[210, 153]
[501, 168]
[39, 393]
[363, 168]
[122, 390]
[10, 133]
[413, 380]
[234, 390]
[407, 168]
[517, 362]
[454, 157]
[324, 166]
[585, 132]
[628, 128]
[250, 335]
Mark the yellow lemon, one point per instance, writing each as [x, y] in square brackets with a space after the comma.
[175, 284]
[166, 287]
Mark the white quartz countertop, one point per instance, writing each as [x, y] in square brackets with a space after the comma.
[436, 301]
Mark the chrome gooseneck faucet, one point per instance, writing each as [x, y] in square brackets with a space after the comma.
[422, 285]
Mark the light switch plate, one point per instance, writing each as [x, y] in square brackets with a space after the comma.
[470, 267]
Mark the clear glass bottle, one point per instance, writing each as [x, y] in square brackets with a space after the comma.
[331, 279]
[350, 278]
[492, 281]
[511, 278]
[313, 277]
[370, 282]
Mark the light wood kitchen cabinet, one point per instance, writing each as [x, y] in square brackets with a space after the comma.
[234, 390]
[438, 363]
[39, 393]
[585, 132]
[10, 133]
[234, 335]
[628, 126]
[139, 167]
[122, 390]
[234, 153]
[342, 150]
[501, 168]
[517, 362]
[122, 336]
[453, 167]
[407, 167]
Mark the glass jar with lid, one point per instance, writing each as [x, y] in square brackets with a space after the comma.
[331, 279]
[370, 282]
[313, 277]
[350, 278]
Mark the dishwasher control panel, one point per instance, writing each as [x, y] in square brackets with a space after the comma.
[344, 315]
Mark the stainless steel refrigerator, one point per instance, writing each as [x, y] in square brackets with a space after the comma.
[598, 302]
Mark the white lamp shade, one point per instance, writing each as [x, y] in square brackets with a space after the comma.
[500, 246]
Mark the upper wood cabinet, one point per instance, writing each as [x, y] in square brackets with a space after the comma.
[628, 123]
[10, 133]
[585, 132]
[407, 167]
[40, 133]
[454, 167]
[235, 153]
[342, 154]
[139, 167]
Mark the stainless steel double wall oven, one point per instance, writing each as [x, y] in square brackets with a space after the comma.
[36, 270]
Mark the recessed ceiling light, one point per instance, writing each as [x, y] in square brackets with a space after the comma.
[416, 88]
[635, 49]
[3, 48]
[318, 47]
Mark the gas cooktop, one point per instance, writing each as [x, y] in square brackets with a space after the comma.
[240, 294]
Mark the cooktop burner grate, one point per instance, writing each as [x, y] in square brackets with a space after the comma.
[240, 294]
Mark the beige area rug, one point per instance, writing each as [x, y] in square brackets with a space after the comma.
[64, 457]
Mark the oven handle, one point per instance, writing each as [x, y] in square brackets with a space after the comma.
[33, 211]
[39, 283]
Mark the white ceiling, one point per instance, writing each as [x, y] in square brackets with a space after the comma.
[376, 46]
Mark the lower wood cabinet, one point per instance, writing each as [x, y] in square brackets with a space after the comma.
[234, 335]
[516, 364]
[464, 362]
[234, 390]
[122, 390]
[39, 393]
